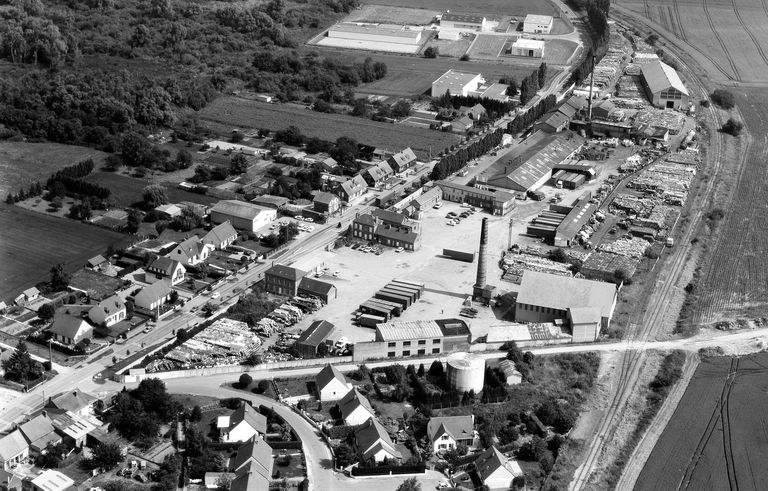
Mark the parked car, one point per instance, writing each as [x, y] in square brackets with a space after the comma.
[399, 249]
[309, 220]
[215, 295]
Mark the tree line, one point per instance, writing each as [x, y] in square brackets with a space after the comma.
[597, 14]
[526, 119]
[458, 159]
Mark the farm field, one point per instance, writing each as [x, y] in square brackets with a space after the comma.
[127, 190]
[23, 163]
[487, 7]
[735, 278]
[716, 438]
[391, 15]
[251, 114]
[31, 243]
[730, 37]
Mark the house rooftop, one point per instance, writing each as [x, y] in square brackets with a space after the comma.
[286, 272]
[246, 413]
[538, 19]
[351, 401]
[457, 427]
[329, 373]
[12, 445]
[220, 233]
[491, 460]
[255, 450]
[67, 326]
[51, 480]
[314, 286]
[74, 400]
[370, 436]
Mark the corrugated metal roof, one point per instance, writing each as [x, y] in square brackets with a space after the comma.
[563, 292]
[660, 76]
[239, 209]
[391, 331]
[376, 29]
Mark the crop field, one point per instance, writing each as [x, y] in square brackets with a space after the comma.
[23, 163]
[31, 243]
[386, 14]
[716, 438]
[487, 46]
[730, 37]
[735, 279]
[126, 191]
[485, 7]
[251, 114]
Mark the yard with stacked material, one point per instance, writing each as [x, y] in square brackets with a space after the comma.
[716, 438]
[251, 114]
[729, 38]
[28, 252]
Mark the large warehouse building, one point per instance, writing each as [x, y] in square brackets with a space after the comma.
[663, 86]
[457, 83]
[496, 202]
[460, 21]
[415, 338]
[531, 48]
[536, 171]
[382, 33]
[588, 305]
[538, 24]
[242, 215]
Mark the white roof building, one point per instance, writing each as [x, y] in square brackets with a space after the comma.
[538, 24]
[457, 83]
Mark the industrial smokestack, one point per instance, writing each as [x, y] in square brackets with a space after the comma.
[482, 259]
[591, 84]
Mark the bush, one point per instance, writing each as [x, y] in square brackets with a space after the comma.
[245, 380]
[732, 127]
[723, 98]
[431, 52]
[464, 57]
[262, 386]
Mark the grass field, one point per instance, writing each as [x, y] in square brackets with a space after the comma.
[391, 15]
[251, 114]
[486, 7]
[730, 37]
[23, 163]
[716, 439]
[31, 243]
[487, 47]
[127, 190]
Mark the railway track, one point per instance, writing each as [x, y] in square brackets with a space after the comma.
[652, 319]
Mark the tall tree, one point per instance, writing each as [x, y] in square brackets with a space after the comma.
[20, 366]
[154, 195]
[59, 278]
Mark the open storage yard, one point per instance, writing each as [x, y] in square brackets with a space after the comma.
[28, 252]
[242, 113]
[715, 439]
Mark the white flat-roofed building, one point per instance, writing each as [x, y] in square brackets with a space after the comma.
[538, 24]
[384, 33]
[457, 83]
[464, 21]
[531, 48]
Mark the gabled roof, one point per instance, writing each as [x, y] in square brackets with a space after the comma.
[165, 265]
[12, 445]
[564, 292]
[108, 306]
[256, 450]
[156, 290]
[492, 460]
[74, 400]
[71, 424]
[249, 481]
[584, 315]
[96, 261]
[318, 287]
[387, 216]
[68, 326]
[325, 198]
[404, 158]
[508, 368]
[660, 76]
[238, 209]
[220, 233]
[397, 234]
[39, 431]
[605, 105]
[327, 374]
[366, 220]
[350, 402]
[463, 121]
[556, 120]
[457, 427]
[428, 196]
[31, 292]
[372, 437]
[379, 171]
[190, 247]
[567, 110]
[472, 19]
[577, 102]
[253, 418]
[286, 272]
[316, 333]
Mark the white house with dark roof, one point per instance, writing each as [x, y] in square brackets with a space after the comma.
[70, 329]
[373, 442]
[447, 432]
[242, 425]
[108, 312]
[191, 251]
[13, 449]
[221, 236]
[355, 408]
[152, 296]
[495, 470]
[166, 268]
[331, 384]
[352, 189]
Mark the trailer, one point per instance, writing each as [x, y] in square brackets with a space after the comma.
[397, 309]
[418, 288]
[392, 297]
[412, 294]
[368, 320]
[467, 257]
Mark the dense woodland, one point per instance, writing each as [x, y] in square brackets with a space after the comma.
[86, 71]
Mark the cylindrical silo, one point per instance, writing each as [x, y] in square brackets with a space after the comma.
[466, 372]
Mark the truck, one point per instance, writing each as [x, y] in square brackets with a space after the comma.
[368, 320]
[536, 195]
[670, 242]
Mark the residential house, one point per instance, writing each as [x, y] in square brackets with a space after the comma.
[74, 429]
[242, 425]
[27, 296]
[403, 160]
[95, 262]
[191, 251]
[310, 287]
[329, 164]
[39, 432]
[352, 189]
[511, 375]
[388, 228]
[326, 203]
[447, 432]
[283, 280]
[355, 408]
[153, 296]
[374, 444]
[169, 210]
[249, 479]
[74, 401]
[108, 312]
[166, 268]
[256, 451]
[242, 215]
[475, 112]
[69, 329]
[51, 480]
[462, 123]
[310, 340]
[377, 173]
[495, 470]
[221, 236]
[330, 382]
[13, 450]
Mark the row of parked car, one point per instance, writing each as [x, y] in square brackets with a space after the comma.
[455, 218]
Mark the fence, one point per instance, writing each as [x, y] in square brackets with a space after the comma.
[390, 470]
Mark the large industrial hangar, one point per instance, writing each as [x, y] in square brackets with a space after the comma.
[457, 83]
[382, 33]
[560, 225]
[663, 85]
[415, 338]
[461, 21]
